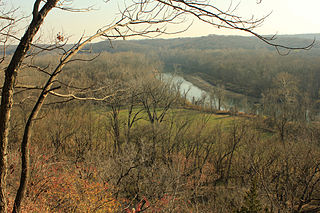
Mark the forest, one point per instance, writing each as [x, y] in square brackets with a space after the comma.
[147, 147]
[242, 64]
[96, 127]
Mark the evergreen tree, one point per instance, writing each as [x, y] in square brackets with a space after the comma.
[251, 202]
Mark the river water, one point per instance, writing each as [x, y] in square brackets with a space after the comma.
[196, 94]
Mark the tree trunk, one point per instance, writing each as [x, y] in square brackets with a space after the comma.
[37, 107]
[8, 89]
[25, 158]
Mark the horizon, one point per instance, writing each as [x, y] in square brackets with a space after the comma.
[222, 35]
[287, 17]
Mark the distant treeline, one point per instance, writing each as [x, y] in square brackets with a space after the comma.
[242, 64]
[248, 72]
[204, 43]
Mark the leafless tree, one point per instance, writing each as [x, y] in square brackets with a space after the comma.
[281, 103]
[8, 88]
[138, 18]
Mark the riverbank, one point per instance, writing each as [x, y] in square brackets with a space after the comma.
[202, 84]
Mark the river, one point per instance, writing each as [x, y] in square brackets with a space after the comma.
[196, 94]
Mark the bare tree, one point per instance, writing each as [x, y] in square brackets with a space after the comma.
[121, 28]
[139, 18]
[281, 103]
[8, 88]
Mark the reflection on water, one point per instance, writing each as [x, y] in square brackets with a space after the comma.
[186, 87]
[194, 93]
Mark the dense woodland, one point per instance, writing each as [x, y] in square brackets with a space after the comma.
[98, 127]
[242, 64]
[146, 147]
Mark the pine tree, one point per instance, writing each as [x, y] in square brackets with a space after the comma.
[251, 202]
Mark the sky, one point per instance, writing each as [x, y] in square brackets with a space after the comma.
[287, 17]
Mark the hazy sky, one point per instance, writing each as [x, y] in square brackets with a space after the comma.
[287, 17]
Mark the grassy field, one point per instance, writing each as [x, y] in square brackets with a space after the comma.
[211, 119]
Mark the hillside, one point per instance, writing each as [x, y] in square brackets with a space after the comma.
[147, 143]
[203, 43]
[241, 64]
